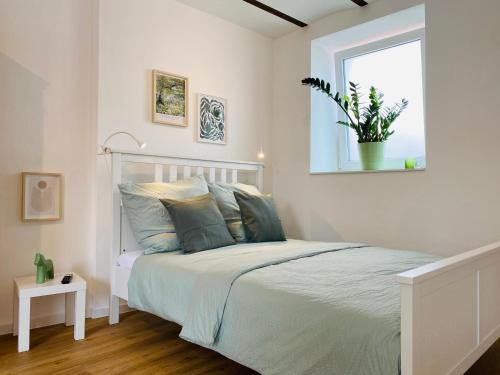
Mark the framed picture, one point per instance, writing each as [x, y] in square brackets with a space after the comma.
[41, 196]
[212, 119]
[170, 99]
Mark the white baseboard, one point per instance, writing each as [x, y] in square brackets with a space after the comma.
[100, 312]
[37, 322]
[58, 318]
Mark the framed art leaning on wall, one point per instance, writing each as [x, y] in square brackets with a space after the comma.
[212, 119]
[41, 196]
[170, 99]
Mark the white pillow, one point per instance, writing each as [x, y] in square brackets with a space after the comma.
[224, 195]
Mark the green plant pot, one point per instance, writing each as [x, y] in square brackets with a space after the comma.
[371, 155]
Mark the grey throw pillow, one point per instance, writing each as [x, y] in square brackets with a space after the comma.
[260, 218]
[198, 223]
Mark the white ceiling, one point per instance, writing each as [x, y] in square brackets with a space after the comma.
[246, 15]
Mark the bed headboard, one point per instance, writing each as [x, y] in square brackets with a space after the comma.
[139, 167]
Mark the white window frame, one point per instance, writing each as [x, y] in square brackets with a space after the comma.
[343, 143]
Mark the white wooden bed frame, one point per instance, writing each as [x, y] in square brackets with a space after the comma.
[450, 309]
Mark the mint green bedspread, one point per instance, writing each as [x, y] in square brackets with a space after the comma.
[292, 307]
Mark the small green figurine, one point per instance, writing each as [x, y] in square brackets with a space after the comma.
[44, 269]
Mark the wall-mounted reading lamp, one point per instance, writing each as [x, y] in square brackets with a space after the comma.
[107, 150]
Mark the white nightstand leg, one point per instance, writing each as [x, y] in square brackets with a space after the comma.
[80, 315]
[23, 340]
[15, 313]
[70, 308]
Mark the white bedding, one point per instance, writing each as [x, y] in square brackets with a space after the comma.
[127, 259]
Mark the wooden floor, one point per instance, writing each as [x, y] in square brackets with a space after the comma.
[140, 344]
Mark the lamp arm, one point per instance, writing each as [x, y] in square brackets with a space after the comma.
[108, 150]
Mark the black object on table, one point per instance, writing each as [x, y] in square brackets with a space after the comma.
[67, 278]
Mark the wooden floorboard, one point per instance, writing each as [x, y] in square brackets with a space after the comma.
[140, 344]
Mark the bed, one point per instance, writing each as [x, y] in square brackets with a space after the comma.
[307, 307]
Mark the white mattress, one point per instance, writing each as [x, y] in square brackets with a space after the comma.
[127, 259]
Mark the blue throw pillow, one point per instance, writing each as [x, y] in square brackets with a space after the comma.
[260, 218]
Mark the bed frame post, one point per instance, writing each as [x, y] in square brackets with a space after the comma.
[260, 177]
[450, 312]
[409, 330]
[116, 176]
[114, 309]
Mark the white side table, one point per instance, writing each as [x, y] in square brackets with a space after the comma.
[26, 287]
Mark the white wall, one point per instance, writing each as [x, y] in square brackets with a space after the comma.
[323, 114]
[452, 206]
[47, 124]
[218, 57]
[82, 70]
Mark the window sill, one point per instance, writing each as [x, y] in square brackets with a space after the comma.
[347, 171]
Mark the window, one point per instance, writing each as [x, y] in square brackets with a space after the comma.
[394, 66]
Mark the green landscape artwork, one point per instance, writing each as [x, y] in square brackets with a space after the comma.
[170, 104]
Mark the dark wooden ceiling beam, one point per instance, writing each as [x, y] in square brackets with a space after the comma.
[361, 3]
[276, 12]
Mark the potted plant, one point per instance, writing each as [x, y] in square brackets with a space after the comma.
[371, 122]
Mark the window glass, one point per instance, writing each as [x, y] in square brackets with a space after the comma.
[397, 72]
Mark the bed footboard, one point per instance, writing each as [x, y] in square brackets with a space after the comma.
[450, 312]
